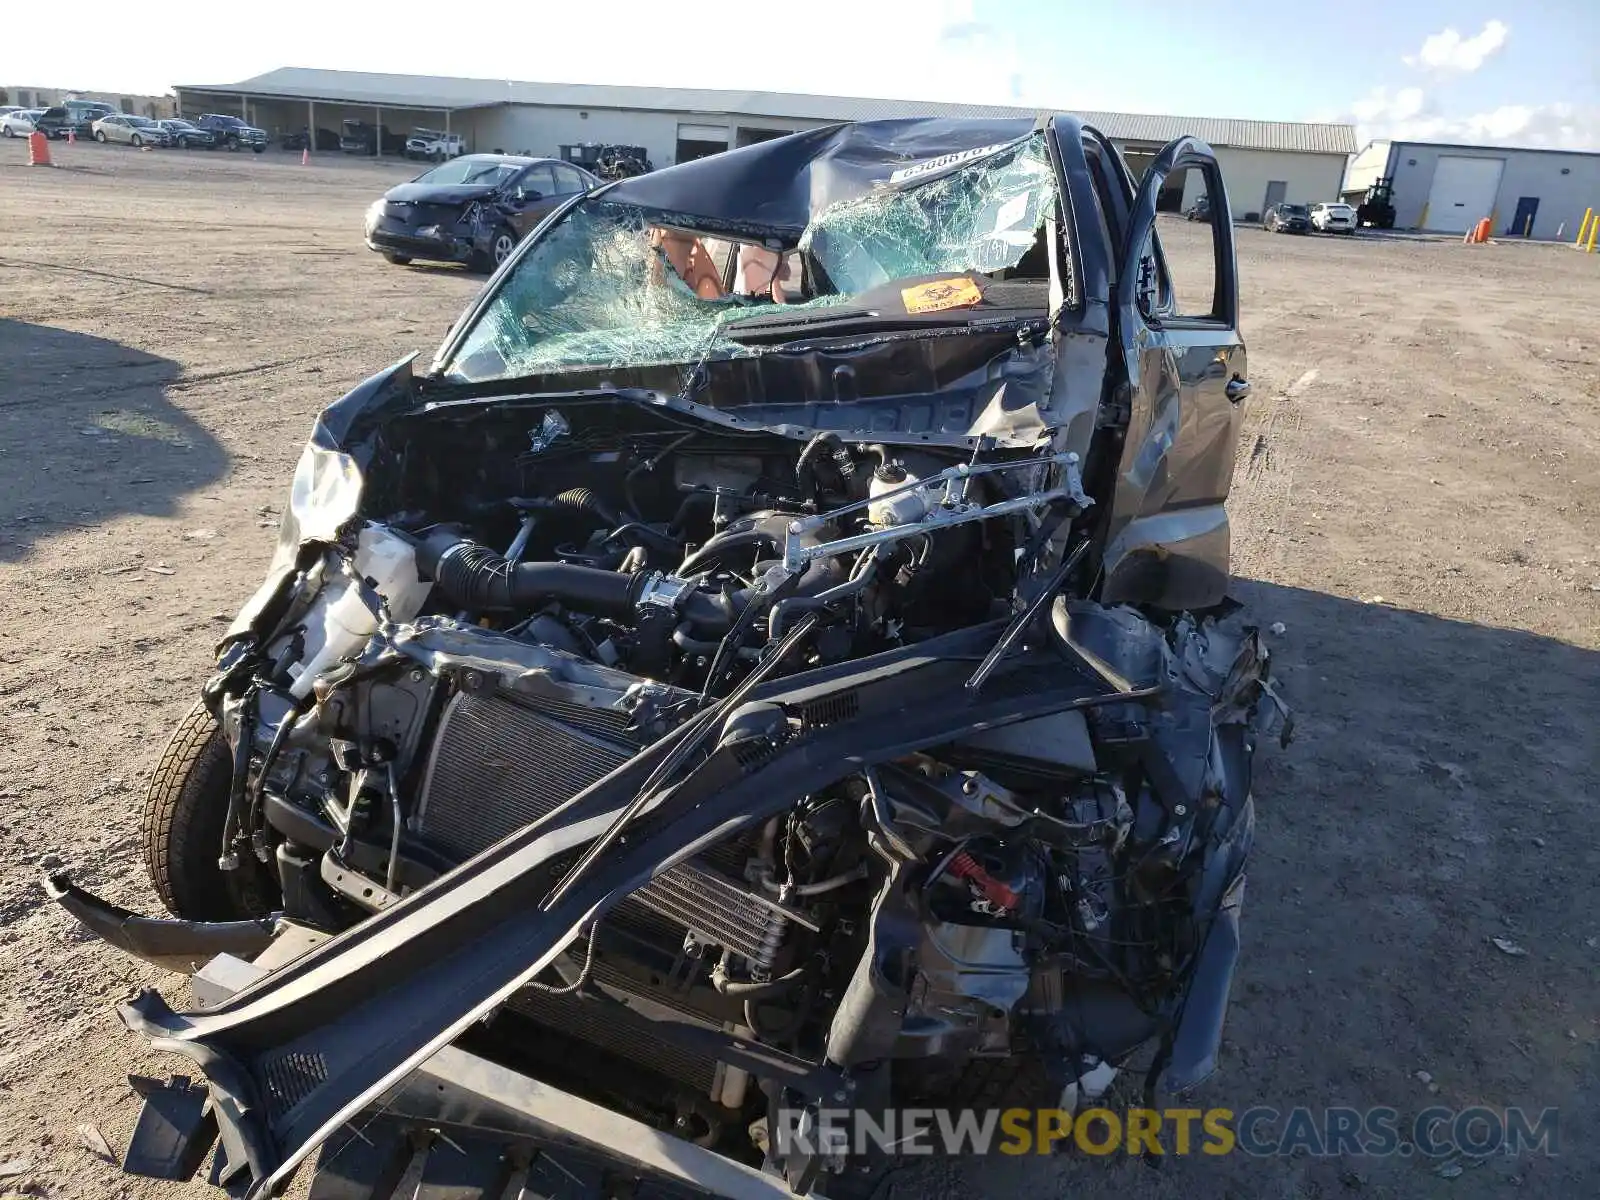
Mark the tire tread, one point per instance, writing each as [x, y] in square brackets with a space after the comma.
[181, 829]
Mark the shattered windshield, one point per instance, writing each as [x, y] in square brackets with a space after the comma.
[613, 285]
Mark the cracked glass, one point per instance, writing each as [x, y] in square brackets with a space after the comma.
[614, 285]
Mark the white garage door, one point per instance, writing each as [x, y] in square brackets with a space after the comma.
[1463, 192]
[703, 133]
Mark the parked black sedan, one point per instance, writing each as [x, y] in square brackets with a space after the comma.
[473, 209]
[1287, 218]
[184, 134]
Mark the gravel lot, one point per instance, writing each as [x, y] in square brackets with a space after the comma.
[1417, 501]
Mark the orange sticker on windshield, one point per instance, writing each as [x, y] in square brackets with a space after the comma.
[946, 293]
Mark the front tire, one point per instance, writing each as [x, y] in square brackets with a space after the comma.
[100, 136]
[138, 142]
[258, 148]
[399, 260]
[185, 807]
[500, 248]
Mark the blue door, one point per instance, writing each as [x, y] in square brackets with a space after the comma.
[1522, 224]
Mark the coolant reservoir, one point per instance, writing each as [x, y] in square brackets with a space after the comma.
[340, 622]
[390, 564]
[885, 511]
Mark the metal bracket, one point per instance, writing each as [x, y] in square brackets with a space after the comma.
[354, 886]
[951, 508]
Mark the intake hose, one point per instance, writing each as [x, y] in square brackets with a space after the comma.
[578, 500]
[480, 580]
[581, 499]
[805, 466]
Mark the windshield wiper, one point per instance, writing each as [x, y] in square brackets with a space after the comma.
[838, 322]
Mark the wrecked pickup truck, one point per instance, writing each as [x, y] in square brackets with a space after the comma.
[776, 660]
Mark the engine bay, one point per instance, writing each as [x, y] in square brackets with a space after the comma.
[560, 587]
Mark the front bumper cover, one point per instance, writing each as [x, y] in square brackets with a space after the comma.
[174, 944]
[443, 248]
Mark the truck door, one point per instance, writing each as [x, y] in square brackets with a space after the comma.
[1177, 317]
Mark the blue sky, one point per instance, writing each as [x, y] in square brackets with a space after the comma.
[1423, 69]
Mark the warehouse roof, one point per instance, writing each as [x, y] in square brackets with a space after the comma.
[1483, 147]
[438, 91]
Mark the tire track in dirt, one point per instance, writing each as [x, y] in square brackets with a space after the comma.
[1271, 451]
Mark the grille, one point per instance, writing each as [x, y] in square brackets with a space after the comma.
[421, 214]
[817, 714]
[500, 764]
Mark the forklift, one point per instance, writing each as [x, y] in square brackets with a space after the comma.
[1377, 209]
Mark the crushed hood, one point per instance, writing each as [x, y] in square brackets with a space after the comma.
[777, 187]
[439, 193]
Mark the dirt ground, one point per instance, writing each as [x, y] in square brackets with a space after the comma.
[1417, 502]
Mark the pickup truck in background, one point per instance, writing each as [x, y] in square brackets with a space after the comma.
[360, 136]
[232, 132]
[435, 145]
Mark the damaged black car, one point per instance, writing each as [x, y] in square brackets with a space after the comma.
[776, 658]
[473, 209]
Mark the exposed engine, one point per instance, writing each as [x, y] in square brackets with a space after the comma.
[534, 643]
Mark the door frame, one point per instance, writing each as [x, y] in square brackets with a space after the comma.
[1133, 277]
[1167, 538]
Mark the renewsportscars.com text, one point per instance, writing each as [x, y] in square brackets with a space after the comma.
[1262, 1132]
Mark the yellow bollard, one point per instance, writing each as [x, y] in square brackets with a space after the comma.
[1583, 230]
[1594, 235]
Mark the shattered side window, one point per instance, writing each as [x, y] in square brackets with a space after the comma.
[983, 217]
[613, 285]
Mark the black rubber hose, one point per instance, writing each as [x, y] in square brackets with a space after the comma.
[805, 470]
[755, 991]
[479, 580]
[583, 500]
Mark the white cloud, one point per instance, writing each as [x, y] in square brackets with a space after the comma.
[1447, 52]
[1411, 114]
[1383, 106]
[1415, 113]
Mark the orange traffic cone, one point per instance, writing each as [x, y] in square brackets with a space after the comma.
[305, 157]
[39, 150]
[1483, 230]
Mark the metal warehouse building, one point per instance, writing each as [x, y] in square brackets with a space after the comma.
[1263, 161]
[1450, 188]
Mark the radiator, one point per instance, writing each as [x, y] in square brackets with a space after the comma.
[499, 764]
[619, 1030]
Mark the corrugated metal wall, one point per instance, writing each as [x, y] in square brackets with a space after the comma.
[1564, 185]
